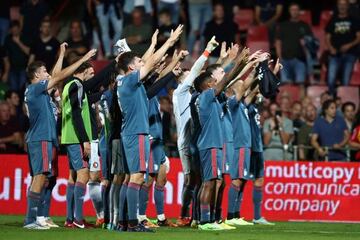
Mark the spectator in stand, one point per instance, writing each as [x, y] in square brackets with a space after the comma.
[4, 65]
[199, 14]
[138, 34]
[268, 13]
[13, 101]
[144, 6]
[290, 47]
[296, 117]
[222, 29]
[4, 20]
[106, 11]
[165, 27]
[304, 135]
[348, 110]
[46, 46]
[355, 138]
[306, 101]
[278, 132]
[78, 45]
[173, 6]
[10, 136]
[342, 39]
[285, 104]
[330, 131]
[32, 12]
[17, 47]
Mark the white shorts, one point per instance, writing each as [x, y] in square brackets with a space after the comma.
[94, 161]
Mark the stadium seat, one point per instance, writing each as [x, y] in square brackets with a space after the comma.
[292, 90]
[98, 65]
[355, 79]
[258, 45]
[349, 94]
[314, 92]
[306, 17]
[257, 33]
[244, 18]
[325, 18]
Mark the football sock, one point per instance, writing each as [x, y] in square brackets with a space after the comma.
[70, 201]
[205, 213]
[196, 203]
[159, 199]
[79, 193]
[132, 195]
[187, 196]
[33, 201]
[232, 200]
[114, 202]
[238, 205]
[40, 210]
[143, 199]
[105, 190]
[257, 199]
[47, 197]
[95, 196]
[122, 203]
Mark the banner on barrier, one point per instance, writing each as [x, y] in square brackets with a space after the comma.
[293, 191]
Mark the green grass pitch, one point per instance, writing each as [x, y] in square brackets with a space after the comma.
[11, 228]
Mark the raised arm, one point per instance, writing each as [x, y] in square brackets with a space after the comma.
[176, 59]
[70, 70]
[151, 49]
[58, 65]
[156, 57]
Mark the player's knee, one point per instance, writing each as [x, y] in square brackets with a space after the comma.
[83, 175]
[137, 178]
[95, 176]
[236, 182]
[259, 182]
[38, 183]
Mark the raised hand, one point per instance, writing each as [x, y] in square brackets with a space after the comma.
[278, 66]
[154, 37]
[89, 54]
[233, 51]
[183, 54]
[212, 44]
[174, 36]
[63, 47]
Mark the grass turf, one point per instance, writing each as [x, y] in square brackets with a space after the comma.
[11, 228]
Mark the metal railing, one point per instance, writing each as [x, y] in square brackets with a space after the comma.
[294, 149]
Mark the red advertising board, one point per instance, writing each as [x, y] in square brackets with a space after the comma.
[293, 191]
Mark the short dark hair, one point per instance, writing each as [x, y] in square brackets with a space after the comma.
[211, 68]
[32, 68]
[165, 11]
[294, 4]
[346, 104]
[14, 23]
[9, 93]
[83, 67]
[125, 60]
[326, 105]
[201, 79]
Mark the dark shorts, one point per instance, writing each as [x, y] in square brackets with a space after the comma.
[211, 160]
[157, 156]
[77, 160]
[41, 156]
[257, 165]
[104, 152]
[137, 151]
[118, 160]
[228, 155]
[240, 166]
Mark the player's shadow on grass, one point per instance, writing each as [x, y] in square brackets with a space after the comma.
[11, 224]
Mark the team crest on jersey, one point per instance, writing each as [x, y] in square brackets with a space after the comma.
[95, 165]
[43, 82]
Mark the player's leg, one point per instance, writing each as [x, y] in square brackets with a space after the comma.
[95, 188]
[78, 163]
[123, 218]
[209, 166]
[40, 167]
[105, 159]
[188, 189]
[51, 184]
[137, 148]
[196, 180]
[144, 199]
[70, 201]
[257, 162]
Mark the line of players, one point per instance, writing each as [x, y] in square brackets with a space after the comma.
[218, 134]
